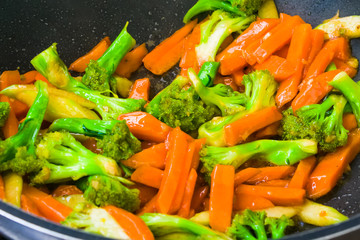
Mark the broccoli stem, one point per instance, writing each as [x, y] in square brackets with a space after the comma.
[208, 72]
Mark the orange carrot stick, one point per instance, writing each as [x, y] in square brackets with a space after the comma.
[199, 195]
[330, 169]
[8, 78]
[343, 66]
[198, 144]
[11, 125]
[153, 156]
[277, 195]
[239, 130]
[283, 52]
[317, 41]
[29, 206]
[349, 121]
[140, 89]
[184, 210]
[279, 67]
[145, 126]
[178, 148]
[66, 190]
[28, 77]
[131, 61]
[238, 77]
[40, 77]
[168, 52]
[2, 188]
[133, 225]
[275, 183]
[188, 58]
[270, 131]
[271, 173]
[150, 206]
[245, 174]
[221, 197]
[81, 63]
[20, 108]
[148, 176]
[302, 172]
[242, 202]
[343, 51]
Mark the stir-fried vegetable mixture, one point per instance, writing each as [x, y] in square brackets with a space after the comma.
[262, 119]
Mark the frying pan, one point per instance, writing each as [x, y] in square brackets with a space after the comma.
[28, 27]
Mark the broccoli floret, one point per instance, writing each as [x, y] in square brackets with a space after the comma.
[320, 122]
[49, 64]
[277, 226]
[260, 88]
[67, 159]
[104, 190]
[274, 151]
[247, 6]
[95, 220]
[341, 27]
[214, 31]
[221, 95]
[113, 136]
[18, 152]
[4, 112]
[98, 74]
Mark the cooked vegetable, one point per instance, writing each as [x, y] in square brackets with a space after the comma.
[4, 112]
[341, 27]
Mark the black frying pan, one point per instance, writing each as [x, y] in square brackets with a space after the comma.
[28, 27]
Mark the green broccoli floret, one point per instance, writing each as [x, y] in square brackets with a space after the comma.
[4, 112]
[67, 159]
[274, 151]
[260, 89]
[214, 31]
[320, 122]
[247, 6]
[17, 153]
[95, 220]
[176, 106]
[113, 136]
[221, 95]
[277, 226]
[104, 190]
[98, 74]
[49, 64]
[162, 225]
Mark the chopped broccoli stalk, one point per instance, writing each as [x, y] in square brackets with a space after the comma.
[98, 74]
[104, 190]
[277, 226]
[95, 220]
[348, 27]
[260, 89]
[18, 152]
[4, 112]
[67, 159]
[161, 224]
[114, 136]
[320, 122]
[208, 72]
[49, 64]
[215, 30]
[274, 151]
[221, 95]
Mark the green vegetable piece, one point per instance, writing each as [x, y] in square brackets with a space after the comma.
[277, 226]
[341, 27]
[208, 72]
[4, 112]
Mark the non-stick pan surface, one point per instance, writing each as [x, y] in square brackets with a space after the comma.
[28, 27]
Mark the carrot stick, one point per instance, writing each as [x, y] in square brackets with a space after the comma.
[168, 52]
[283, 52]
[184, 210]
[271, 173]
[277, 195]
[330, 169]
[140, 89]
[47, 205]
[131, 61]
[317, 41]
[302, 173]
[221, 197]
[11, 125]
[28, 77]
[148, 176]
[2, 188]
[20, 108]
[199, 143]
[245, 174]
[66, 190]
[242, 202]
[8, 78]
[145, 126]
[238, 77]
[133, 225]
[40, 77]
[314, 91]
[81, 63]
[279, 67]
[29, 206]
[188, 58]
[178, 148]
[239, 130]
[153, 156]
[349, 121]
[270, 131]
[275, 183]
[343, 51]
[150, 206]
[343, 66]
[199, 195]
[231, 59]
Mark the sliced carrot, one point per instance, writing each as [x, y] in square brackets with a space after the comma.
[343, 66]
[279, 67]
[144, 126]
[148, 176]
[28, 77]
[140, 89]
[2, 188]
[277, 195]
[184, 210]
[133, 225]
[153, 156]
[330, 169]
[238, 77]
[349, 121]
[245, 174]
[239, 130]
[29, 206]
[40, 77]
[221, 197]
[343, 51]
[199, 195]
[19, 108]
[149, 207]
[317, 41]
[66, 190]
[271, 173]
[147, 144]
[270, 131]
[242, 202]
[302, 172]
[188, 59]
[11, 125]
[198, 144]
[283, 52]
[81, 63]
[131, 61]
[8, 78]
[275, 183]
